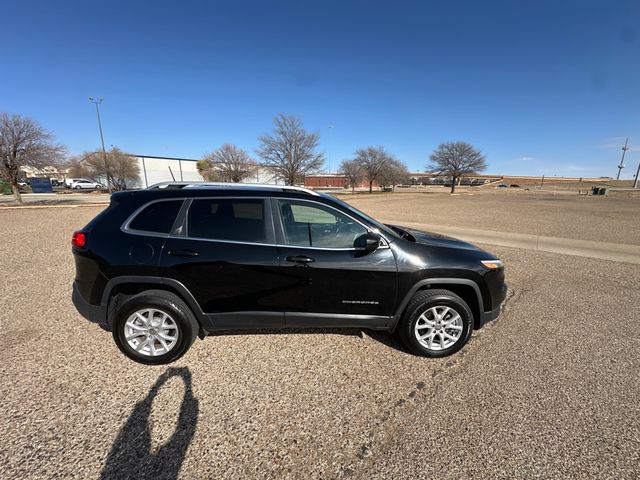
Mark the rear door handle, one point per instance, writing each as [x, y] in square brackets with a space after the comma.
[300, 259]
[183, 253]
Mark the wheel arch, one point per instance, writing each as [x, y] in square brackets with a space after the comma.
[466, 289]
[128, 286]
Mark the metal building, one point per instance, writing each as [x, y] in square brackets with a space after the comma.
[164, 169]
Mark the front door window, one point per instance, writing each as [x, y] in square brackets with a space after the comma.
[311, 225]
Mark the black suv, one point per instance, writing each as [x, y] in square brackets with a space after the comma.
[164, 265]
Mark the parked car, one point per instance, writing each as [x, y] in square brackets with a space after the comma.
[84, 184]
[69, 181]
[503, 185]
[164, 265]
[23, 186]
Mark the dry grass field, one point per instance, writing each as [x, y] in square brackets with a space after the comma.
[549, 390]
[560, 183]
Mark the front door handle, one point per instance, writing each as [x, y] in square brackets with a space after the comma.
[300, 259]
[183, 253]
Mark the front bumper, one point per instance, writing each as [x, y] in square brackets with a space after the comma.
[486, 317]
[93, 313]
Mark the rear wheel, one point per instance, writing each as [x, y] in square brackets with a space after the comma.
[154, 327]
[436, 323]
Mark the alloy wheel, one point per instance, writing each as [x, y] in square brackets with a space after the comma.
[438, 328]
[151, 332]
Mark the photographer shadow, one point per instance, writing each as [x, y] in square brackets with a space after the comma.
[131, 455]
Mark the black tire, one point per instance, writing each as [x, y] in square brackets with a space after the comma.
[167, 302]
[421, 303]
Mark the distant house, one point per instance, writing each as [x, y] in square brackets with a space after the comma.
[51, 172]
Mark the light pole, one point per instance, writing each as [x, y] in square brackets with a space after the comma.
[330, 127]
[624, 150]
[104, 152]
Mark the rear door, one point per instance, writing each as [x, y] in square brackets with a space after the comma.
[147, 231]
[330, 281]
[225, 254]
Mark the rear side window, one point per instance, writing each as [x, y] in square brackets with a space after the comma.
[240, 220]
[157, 217]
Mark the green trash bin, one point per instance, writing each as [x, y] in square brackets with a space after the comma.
[603, 191]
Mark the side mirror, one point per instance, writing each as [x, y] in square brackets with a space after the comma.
[368, 241]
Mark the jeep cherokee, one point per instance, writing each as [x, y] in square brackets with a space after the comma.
[161, 266]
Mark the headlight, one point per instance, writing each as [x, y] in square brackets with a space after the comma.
[493, 264]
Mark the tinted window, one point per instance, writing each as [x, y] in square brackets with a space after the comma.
[313, 225]
[157, 217]
[240, 220]
[380, 226]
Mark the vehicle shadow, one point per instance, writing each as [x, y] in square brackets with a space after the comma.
[390, 340]
[131, 455]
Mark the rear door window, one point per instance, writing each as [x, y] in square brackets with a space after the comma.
[232, 219]
[157, 217]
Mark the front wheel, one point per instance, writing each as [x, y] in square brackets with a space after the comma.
[436, 323]
[154, 327]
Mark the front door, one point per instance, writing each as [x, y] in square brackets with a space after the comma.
[227, 258]
[331, 281]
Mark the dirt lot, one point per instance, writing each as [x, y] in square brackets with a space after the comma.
[605, 219]
[549, 390]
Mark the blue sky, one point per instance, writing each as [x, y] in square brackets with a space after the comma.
[545, 87]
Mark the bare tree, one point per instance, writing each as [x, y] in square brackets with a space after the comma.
[353, 171]
[394, 173]
[290, 151]
[116, 169]
[77, 166]
[229, 164]
[372, 161]
[205, 169]
[456, 159]
[124, 167]
[24, 143]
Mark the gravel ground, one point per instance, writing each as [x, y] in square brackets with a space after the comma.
[549, 390]
[66, 197]
[603, 219]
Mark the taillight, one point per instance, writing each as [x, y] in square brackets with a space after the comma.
[79, 239]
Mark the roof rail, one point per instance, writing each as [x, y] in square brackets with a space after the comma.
[168, 185]
[213, 185]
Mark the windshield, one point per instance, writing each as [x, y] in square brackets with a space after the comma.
[380, 226]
